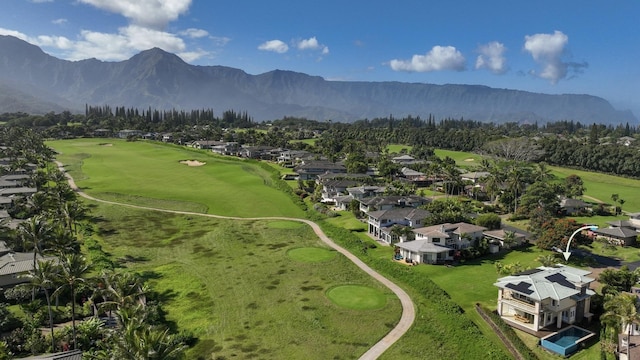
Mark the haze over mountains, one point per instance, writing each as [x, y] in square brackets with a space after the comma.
[34, 82]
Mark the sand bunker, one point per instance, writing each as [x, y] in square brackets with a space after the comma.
[105, 144]
[469, 159]
[192, 162]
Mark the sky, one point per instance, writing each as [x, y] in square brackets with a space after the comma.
[554, 47]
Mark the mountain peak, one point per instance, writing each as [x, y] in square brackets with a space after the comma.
[159, 79]
[156, 54]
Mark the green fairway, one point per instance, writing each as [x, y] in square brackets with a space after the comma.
[601, 186]
[357, 297]
[233, 284]
[151, 174]
[311, 254]
[464, 159]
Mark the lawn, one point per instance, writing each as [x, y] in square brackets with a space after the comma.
[150, 174]
[601, 186]
[234, 285]
[463, 159]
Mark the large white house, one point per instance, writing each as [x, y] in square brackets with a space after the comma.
[545, 297]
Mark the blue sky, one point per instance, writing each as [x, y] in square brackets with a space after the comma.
[567, 46]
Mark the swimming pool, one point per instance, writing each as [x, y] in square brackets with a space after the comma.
[566, 341]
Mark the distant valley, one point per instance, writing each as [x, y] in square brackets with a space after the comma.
[32, 81]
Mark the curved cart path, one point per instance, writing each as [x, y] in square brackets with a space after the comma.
[408, 310]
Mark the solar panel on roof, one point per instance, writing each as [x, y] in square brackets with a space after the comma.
[560, 280]
[521, 287]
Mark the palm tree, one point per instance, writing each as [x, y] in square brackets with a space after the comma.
[45, 276]
[139, 340]
[622, 311]
[542, 173]
[509, 238]
[73, 267]
[35, 232]
[121, 290]
[547, 260]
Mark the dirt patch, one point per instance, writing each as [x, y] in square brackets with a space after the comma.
[105, 144]
[192, 162]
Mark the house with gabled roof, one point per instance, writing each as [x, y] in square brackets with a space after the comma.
[571, 206]
[545, 298]
[438, 244]
[621, 236]
[310, 170]
[381, 221]
[15, 264]
[391, 201]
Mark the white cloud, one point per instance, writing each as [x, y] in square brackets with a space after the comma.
[438, 58]
[14, 33]
[189, 56]
[59, 21]
[274, 45]
[492, 57]
[194, 33]
[548, 50]
[155, 14]
[312, 44]
[146, 18]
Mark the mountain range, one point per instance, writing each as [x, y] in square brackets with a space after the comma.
[34, 82]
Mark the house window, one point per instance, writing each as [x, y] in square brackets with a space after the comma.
[554, 302]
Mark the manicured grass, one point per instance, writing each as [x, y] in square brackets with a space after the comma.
[601, 186]
[357, 297]
[311, 254]
[463, 159]
[233, 285]
[134, 171]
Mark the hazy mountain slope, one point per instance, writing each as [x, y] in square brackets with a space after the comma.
[157, 79]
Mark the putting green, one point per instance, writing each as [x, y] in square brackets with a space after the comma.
[311, 254]
[357, 297]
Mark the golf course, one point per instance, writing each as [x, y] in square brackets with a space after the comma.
[248, 288]
[271, 288]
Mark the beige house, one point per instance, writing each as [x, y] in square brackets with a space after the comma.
[545, 298]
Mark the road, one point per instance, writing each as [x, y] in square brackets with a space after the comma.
[408, 310]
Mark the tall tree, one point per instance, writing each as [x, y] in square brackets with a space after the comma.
[73, 269]
[622, 311]
[35, 232]
[45, 276]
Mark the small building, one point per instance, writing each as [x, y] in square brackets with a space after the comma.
[621, 236]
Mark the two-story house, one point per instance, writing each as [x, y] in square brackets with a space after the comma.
[438, 244]
[381, 221]
[545, 297]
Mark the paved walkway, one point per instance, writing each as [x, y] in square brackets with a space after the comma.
[408, 310]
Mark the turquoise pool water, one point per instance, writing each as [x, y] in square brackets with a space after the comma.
[566, 341]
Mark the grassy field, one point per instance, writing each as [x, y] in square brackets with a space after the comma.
[151, 174]
[601, 186]
[233, 284]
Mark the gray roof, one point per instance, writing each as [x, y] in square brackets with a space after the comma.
[422, 246]
[475, 175]
[18, 190]
[457, 228]
[547, 282]
[618, 232]
[400, 213]
[500, 234]
[575, 203]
